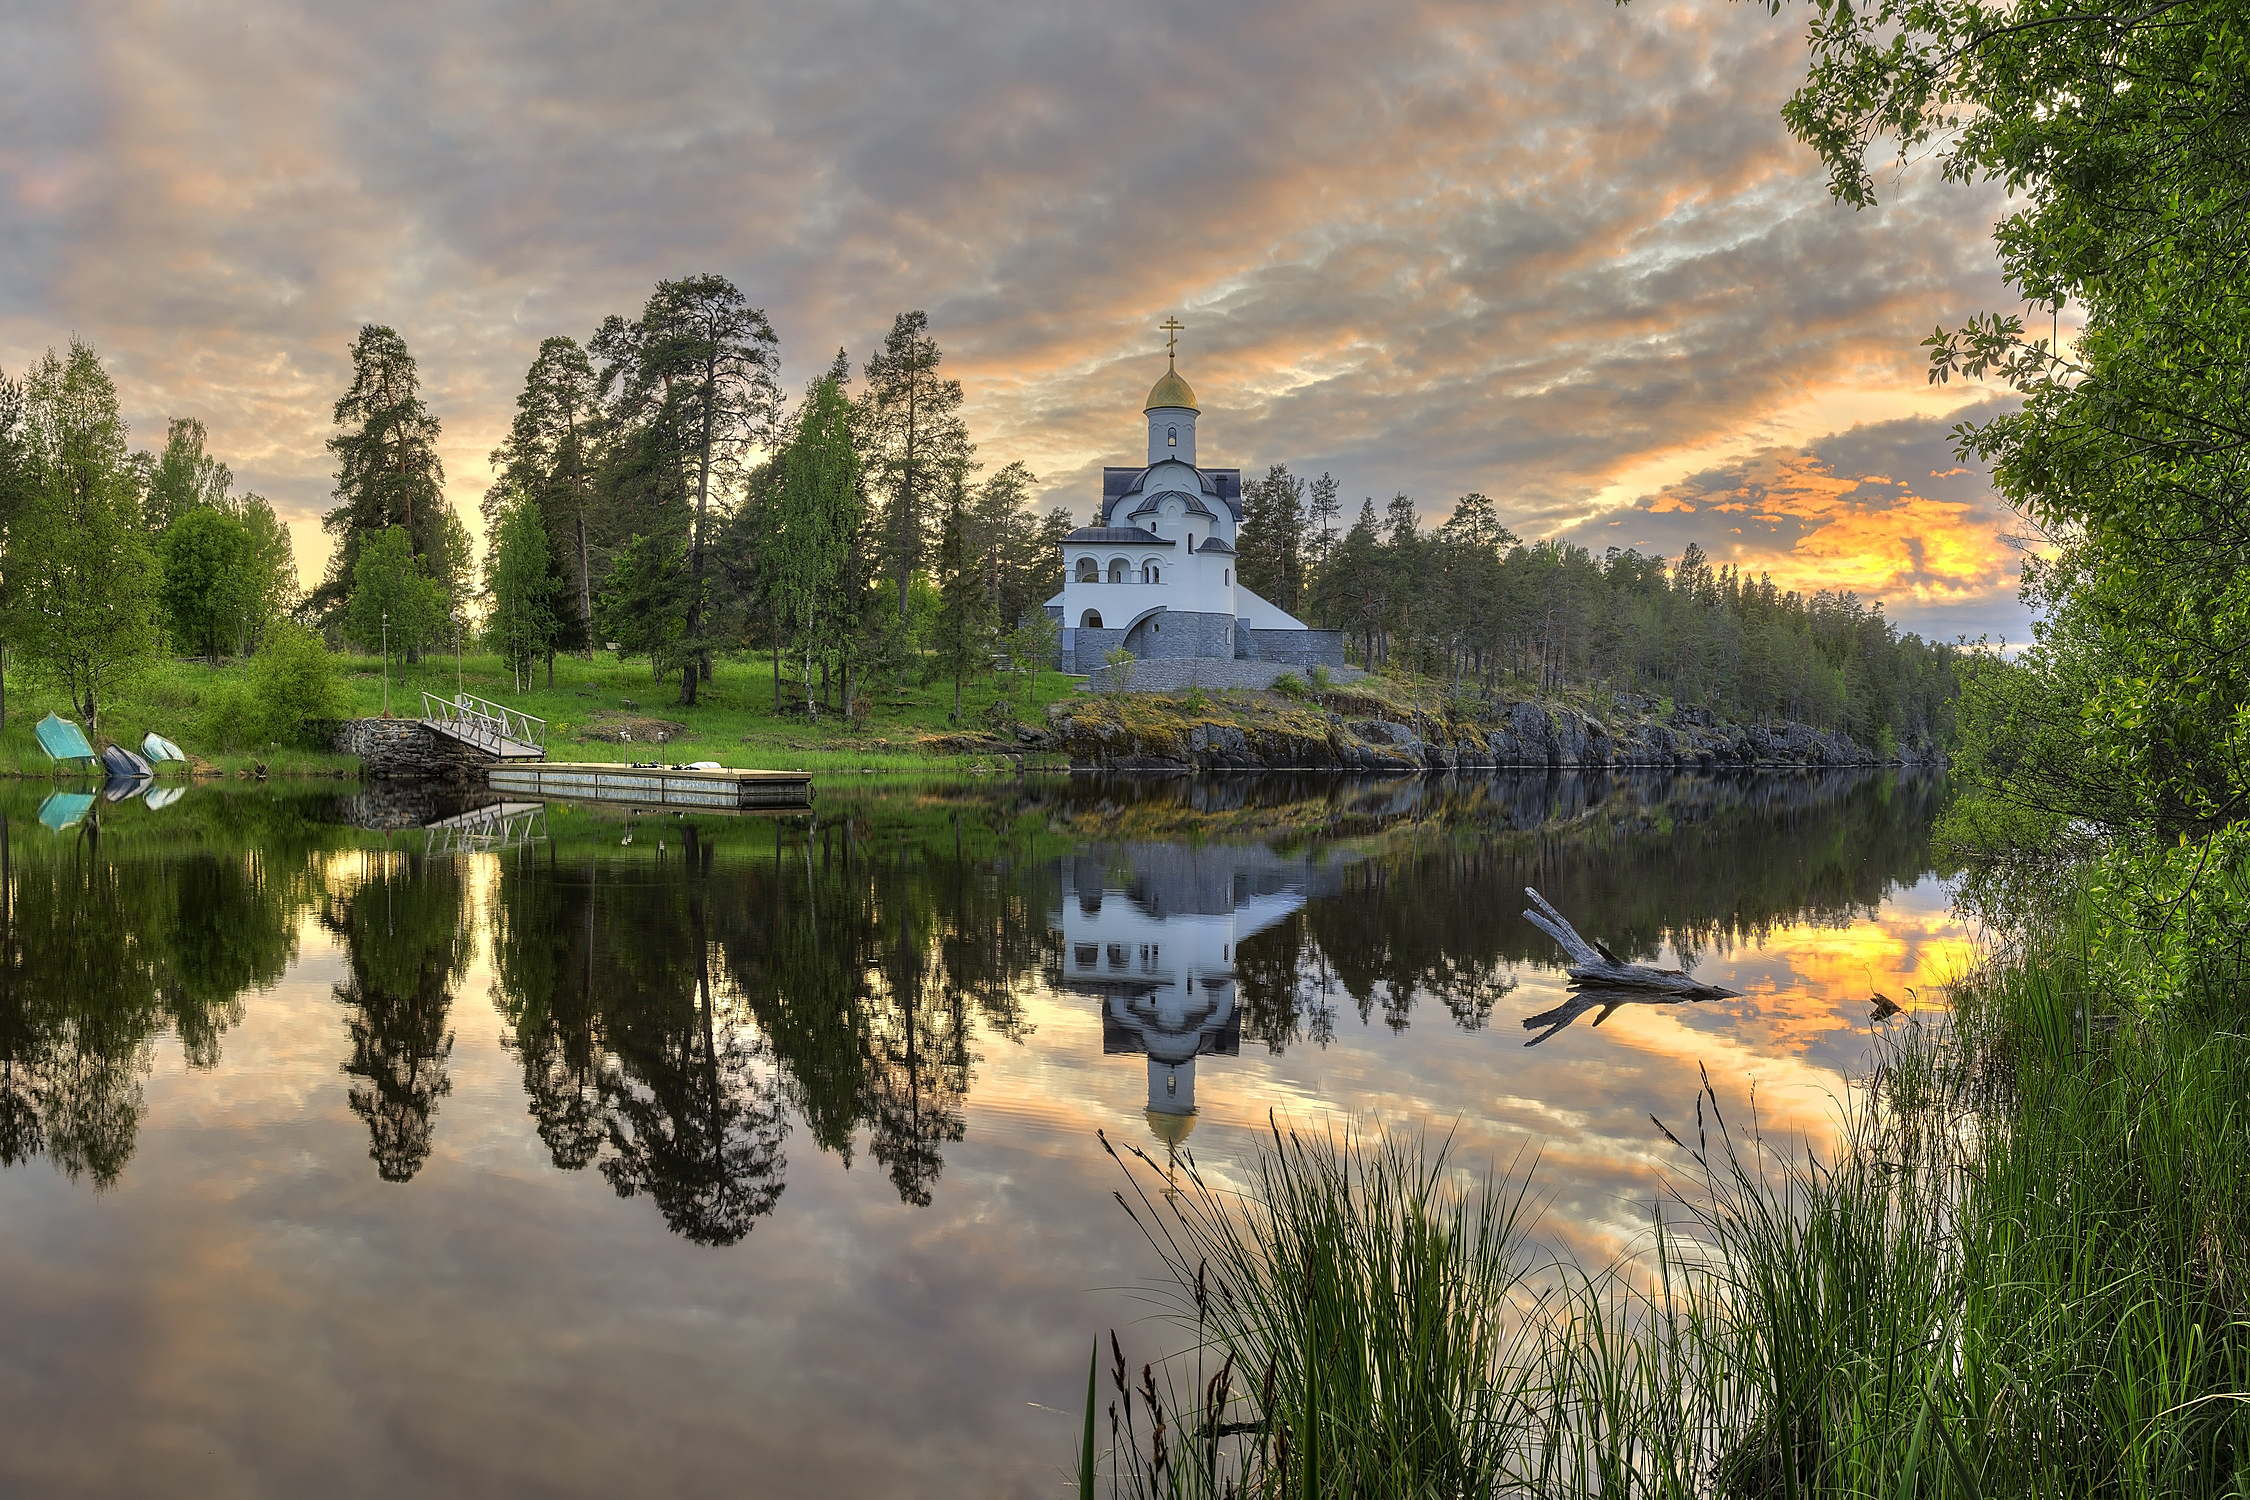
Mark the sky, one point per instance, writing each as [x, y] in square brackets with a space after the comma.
[1560, 252]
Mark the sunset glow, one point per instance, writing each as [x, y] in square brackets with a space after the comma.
[1565, 256]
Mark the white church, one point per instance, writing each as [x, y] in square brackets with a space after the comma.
[1157, 575]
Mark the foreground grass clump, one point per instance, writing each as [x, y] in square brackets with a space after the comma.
[2026, 1271]
[1359, 1331]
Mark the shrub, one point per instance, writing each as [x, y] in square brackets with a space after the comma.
[1119, 661]
[295, 685]
[1290, 685]
[1321, 681]
[229, 720]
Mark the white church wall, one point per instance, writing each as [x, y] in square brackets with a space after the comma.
[1164, 422]
[1261, 615]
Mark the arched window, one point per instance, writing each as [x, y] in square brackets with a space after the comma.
[1089, 571]
[1091, 620]
[1119, 571]
[1171, 437]
[1228, 577]
[1148, 572]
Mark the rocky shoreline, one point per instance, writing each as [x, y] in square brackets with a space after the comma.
[1125, 734]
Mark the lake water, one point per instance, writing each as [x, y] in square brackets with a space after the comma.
[757, 1156]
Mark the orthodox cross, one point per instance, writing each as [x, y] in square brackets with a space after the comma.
[1172, 344]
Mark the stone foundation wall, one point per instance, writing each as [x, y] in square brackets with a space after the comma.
[1086, 648]
[1178, 633]
[1300, 648]
[408, 748]
[1177, 675]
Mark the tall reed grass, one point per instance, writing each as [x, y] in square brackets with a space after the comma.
[2024, 1271]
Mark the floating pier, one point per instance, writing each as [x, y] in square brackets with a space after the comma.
[652, 786]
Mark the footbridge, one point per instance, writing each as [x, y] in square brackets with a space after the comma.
[493, 728]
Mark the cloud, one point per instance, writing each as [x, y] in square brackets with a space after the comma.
[1882, 511]
[1538, 251]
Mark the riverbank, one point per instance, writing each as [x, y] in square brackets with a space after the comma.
[1391, 724]
[605, 710]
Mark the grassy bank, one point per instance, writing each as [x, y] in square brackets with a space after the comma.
[170, 698]
[2023, 1273]
[599, 710]
[606, 710]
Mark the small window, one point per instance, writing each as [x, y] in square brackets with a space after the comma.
[1117, 955]
[1228, 576]
[1148, 573]
[1089, 571]
[1085, 954]
[1119, 572]
[1171, 437]
[1091, 620]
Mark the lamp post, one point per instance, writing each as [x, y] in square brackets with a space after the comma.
[386, 663]
[460, 693]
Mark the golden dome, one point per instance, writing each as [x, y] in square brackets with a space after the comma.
[1171, 1129]
[1171, 391]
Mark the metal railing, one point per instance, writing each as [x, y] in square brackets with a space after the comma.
[487, 830]
[483, 723]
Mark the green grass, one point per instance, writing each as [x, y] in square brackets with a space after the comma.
[167, 698]
[2025, 1271]
[735, 723]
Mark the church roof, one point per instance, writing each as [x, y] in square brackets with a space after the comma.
[1171, 390]
[1215, 544]
[1133, 534]
[1150, 506]
[1221, 484]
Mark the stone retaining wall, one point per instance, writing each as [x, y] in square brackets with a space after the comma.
[1161, 674]
[1521, 735]
[1300, 648]
[408, 748]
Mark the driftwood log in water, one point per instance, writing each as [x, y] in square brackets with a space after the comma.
[1593, 965]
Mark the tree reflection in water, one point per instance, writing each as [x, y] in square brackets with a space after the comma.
[634, 1060]
[674, 1005]
[667, 1009]
[101, 949]
[407, 944]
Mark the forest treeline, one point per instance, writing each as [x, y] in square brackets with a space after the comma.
[659, 495]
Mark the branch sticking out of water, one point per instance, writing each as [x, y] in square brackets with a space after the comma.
[1594, 965]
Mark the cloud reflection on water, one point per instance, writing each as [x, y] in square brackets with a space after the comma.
[250, 1305]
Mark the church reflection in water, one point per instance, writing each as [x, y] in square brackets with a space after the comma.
[1153, 932]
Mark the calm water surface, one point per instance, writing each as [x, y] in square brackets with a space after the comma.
[757, 1156]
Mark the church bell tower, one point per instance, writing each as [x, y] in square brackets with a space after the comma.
[1171, 408]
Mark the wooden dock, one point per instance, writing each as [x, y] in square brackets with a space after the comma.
[652, 786]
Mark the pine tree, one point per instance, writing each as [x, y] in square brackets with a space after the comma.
[1270, 545]
[1321, 510]
[698, 366]
[915, 440]
[550, 456]
[387, 470]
